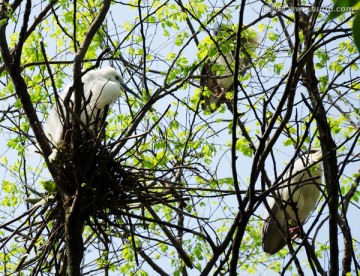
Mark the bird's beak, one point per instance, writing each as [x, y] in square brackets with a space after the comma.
[127, 89]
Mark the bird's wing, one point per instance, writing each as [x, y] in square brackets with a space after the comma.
[204, 72]
[272, 237]
[306, 193]
[216, 83]
[217, 91]
[54, 124]
[225, 82]
[304, 189]
[89, 76]
[101, 92]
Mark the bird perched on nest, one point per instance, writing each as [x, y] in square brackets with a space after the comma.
[298, 191]
[101, 88]
[218, 71]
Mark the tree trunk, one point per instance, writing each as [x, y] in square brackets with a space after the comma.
[73, 239]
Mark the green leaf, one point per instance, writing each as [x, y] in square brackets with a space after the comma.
[356, 197]
[49, 186]
[342, 6]
[356, 31]
[3, 22]
[278, 68]
[8, 186]
[272, 36]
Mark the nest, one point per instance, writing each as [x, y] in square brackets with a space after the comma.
[108, 191]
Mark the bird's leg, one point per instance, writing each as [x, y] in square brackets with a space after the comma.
[294, 229]
[217, 95]
[295, 232]
[220, 96]
[222, 93]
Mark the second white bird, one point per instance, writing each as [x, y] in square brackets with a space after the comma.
[292, 201]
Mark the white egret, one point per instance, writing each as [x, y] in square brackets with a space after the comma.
[101, 88]
[219, 70]
[292, 201]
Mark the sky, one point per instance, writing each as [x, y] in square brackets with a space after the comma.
[222, 162]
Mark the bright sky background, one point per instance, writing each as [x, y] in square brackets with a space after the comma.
[124, 14]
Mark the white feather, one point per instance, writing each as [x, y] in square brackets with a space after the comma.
[101, 88]
[300, 188]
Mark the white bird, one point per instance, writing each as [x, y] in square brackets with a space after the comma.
[219, 70]
[300, 190]
[101, 88]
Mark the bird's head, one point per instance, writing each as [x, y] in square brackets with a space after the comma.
[113, 75]
[222, 30]
[227, 32]
[314, 153]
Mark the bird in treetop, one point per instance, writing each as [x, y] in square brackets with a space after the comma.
[218, 71]
[292, 201]
[101, 88]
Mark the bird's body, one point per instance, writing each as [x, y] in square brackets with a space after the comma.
[294, 200]
[219, 71]
[101, 88]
